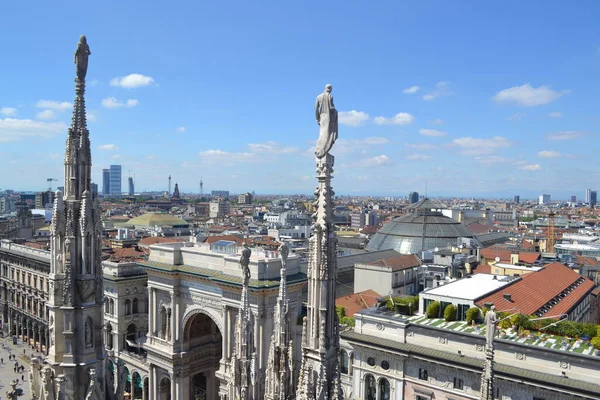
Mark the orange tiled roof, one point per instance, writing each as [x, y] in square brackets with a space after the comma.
[582, 260]
[399, 262]
[127, 253]
[231, 238]
[483, 269]
[528, 258]
[490, 253]
[535, 289]
[356, 302]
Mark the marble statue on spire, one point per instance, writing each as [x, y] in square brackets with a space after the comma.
[242, 366]
[487, 378]
[327, 118]
[319, 377]
[76, 295]
[279, 373]
[81, 57]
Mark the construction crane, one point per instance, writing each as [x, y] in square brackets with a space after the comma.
[49, 180]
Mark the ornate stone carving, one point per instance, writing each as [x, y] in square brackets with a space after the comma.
[520, 356]
[443, 340]
[565, 365]
[86, 290]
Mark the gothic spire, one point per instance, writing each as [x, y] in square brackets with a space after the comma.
[243, 360]
[319, 373]
[280, 362]
[75, 280]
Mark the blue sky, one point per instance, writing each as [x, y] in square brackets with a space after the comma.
[476, 99]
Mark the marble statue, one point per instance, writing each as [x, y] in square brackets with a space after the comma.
[245, 262]
[284, 251]
[81, 57]
[327, 118]
[490, 325]
[92, 393]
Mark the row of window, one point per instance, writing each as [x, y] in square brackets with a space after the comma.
[458, 383]
[26, 278]
[130, 307]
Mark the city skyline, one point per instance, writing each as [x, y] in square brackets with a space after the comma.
[425, 109]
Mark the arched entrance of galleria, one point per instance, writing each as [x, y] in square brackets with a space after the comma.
[203, 350]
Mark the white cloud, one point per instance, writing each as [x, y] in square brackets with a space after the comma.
[271, 147]
[54, 105]
[564, 135]
[492, 160]
[438, 121]
[398, 119]
[352, 118]
[94, 82]
[432, 132]
[555, 114]
[108, 147]
[374, 161]
[351, 145]
[517, 116]
[441, 89]
[418, 157]
[528, 96]
[478, 146]
[111, 102]
[181, 129]
[115, 156]
[12, 129]
[8, 111]
[531, 167]
[45, 115]
[225, 157]
[421, 146]
[411, 90]
[548, 154]
[132, 81]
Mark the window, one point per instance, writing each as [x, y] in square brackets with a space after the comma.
[458, 383]
[127, 307]
[422, 374]
[385, 365]
[135, 306]
[344, 362]
[371, 361]
[384, 389]
[370, 388]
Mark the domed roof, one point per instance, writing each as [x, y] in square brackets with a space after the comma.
[160, 219]
[424, 228]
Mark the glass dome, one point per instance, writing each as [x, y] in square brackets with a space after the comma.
[424, 228]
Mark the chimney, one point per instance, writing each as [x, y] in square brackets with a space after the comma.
[507, 297]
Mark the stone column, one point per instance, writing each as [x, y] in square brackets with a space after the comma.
[176, 318]
[225, 333]
[152, 384]
[173, 387]
[47, 335]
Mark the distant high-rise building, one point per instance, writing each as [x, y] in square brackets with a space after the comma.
[44, 199]
[115, 180]
[220, 193]
[573, 199]
[94, 189]
[106, 182]
[517, 199]
[588, 194]
[245, 198]
[544, 199]
[131, 187]
[413, 197]
[593, 198]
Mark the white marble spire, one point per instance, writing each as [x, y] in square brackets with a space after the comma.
[319, 373]
[75, 302]
[242, 367]
[487, 378]
[279, 385]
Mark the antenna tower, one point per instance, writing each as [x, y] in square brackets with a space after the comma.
[169, 192]
[201, 187]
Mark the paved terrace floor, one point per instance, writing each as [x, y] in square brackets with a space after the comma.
[540, 339]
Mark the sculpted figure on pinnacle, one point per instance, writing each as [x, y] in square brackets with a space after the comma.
[327, 118]
[81, 57]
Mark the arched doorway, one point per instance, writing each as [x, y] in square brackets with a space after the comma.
[130, 336]
[136, 386]
[164, 389]
[201, 334]
[370, 387]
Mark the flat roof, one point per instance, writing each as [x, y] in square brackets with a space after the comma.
[520, 267]
[472, 287]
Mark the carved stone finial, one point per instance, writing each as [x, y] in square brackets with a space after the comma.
[81, 57]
